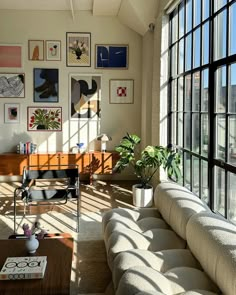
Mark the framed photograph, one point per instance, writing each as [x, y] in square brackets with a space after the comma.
[12, 113]
[111, 56]
[85, 96]
[45, 85]
[122, 91]
[10, 56]
[78, 49]
[44, 119]
[53, 50]
[12, 85]
[36, 49]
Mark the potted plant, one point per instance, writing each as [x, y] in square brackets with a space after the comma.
[145, 164]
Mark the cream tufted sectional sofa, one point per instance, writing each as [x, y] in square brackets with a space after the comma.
[178, 247]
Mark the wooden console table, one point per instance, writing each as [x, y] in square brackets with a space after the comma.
[89, 163]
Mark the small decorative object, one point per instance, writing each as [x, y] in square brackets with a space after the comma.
[104, 138]
[32, 242]
[122, 91]
[53, 50]
[81, 147]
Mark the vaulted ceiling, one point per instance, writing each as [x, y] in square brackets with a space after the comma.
[136, 14]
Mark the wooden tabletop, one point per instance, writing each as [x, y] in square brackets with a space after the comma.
[59, 252]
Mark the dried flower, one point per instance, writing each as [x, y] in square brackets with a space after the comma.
[36, 229]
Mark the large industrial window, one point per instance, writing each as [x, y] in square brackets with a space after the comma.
[202, 96]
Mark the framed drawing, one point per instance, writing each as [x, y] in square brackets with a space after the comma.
[12, 112]
[10, 56]
[53, 49]
[44, 119]
[78, 49]
[36, 49]
[111, 56]
[85, 96]
[122, 91]
[45, 85]
[12, 85]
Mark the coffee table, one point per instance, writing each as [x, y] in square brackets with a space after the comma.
[59, 252]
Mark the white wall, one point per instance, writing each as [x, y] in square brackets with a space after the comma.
[19, 27]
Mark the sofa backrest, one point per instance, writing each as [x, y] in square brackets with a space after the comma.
[212, 240]
[176, 205]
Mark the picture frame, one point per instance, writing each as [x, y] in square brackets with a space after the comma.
[85, 96]
[53, 50]
[44, 118]
[36, 50]
[12, 85]
[78, 49]
[11, 55]
[121, 91]
[45, 88]
[12, 113]
[111, 56]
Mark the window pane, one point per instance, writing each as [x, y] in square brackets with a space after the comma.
[232, 140]
[205, 90]
[187, 94]
[195, 133]
[174, 26]
[174, 61]
[180, 93]
[173, 128]
[220, 94]
[220, 35]
[231, 191]
[195, 174]
[204, 184]
[187, 130]
[197, 12]
[173, 95]
[196, 48]
[187, 170]
[188, 52]
[220, 137]
[204, 135]
[181, 56]
[232, 88]
[205, 9]
[180, 129]
[219, 190]
[205, 43]
[188, 15]
[232, 32]
[218, 4]
[196, 92]
[181, 19]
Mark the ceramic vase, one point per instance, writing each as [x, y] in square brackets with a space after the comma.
[32, 244]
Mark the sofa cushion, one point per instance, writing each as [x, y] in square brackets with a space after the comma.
[212, 240]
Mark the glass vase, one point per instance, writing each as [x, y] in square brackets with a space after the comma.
[32, 244]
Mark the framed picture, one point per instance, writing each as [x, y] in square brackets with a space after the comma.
[122, 91]
[78, 49]
[36, 49]
[45, 85]
[85, 96]
[111, 56]
[44, 118]
[53, 49]
[12, 85]
[12, 112]
[10, 56]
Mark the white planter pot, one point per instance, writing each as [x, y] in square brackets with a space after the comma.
[142, 197]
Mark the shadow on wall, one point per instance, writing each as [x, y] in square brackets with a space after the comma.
[12, 142]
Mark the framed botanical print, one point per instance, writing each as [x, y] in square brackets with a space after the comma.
[44, 118]
[36, 49]
[78, 49]
[122, 91]
[12, 113]
[12, 85]
[45, 85]
[111, 56]
[53, 50]
[10, 56]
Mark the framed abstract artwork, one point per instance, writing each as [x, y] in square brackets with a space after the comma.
[122, 91]
[44, 118]
[45, 85]
[12, 113]
[53, 50]
[111, 56]
[36, 49]
[85, 96]
[12, 85]
[10, 56]
[78, 49]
